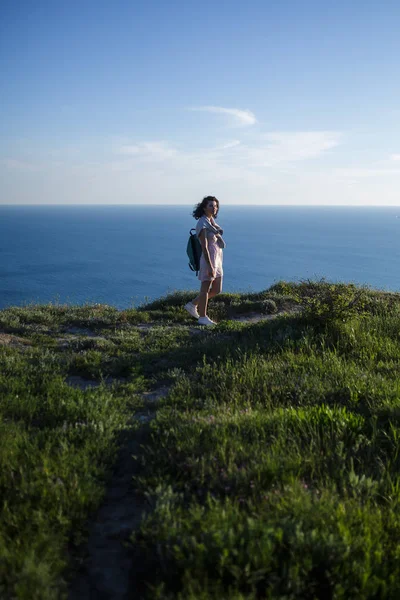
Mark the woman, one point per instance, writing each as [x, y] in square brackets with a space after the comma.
[209, 234]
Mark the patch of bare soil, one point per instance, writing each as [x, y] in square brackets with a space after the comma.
[105, 571]
[81, 331]
[67, 342]
[7, 339]
[254, 318]
[77, 381]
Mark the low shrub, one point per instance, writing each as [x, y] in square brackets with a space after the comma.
[324, 302]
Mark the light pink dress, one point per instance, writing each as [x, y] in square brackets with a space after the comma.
[215, 253]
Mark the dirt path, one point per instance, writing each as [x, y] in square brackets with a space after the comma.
[7, 339]
[105, 572]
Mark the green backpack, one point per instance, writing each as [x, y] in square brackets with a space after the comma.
[193, 250]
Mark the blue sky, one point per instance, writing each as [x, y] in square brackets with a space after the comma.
[290, 102]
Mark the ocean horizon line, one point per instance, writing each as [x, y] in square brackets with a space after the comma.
[225, 204]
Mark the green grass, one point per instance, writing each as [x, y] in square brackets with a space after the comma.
[273, 471]
[56, 444]
[273, 467]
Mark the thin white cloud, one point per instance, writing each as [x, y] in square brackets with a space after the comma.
[240, 117]
[158, 150]
[228, 145]
[233, 158]
[234, 175]
[263, 165]
[128, 149]
[395, 157]
[300, 145]
[284, 148]
[19, 165]
[362, 172]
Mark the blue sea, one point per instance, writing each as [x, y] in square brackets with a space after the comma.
[125, 255]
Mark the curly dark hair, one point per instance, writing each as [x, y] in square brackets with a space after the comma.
[199, 208]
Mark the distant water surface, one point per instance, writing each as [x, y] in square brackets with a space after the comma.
[123, 255]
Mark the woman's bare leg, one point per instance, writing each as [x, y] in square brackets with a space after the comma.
[208, 290]
[216, 287]
[196, 301]
[202, 299]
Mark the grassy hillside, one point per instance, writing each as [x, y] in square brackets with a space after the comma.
[271, 469]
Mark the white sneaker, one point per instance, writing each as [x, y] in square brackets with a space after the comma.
[205, 321]
[192, 310]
